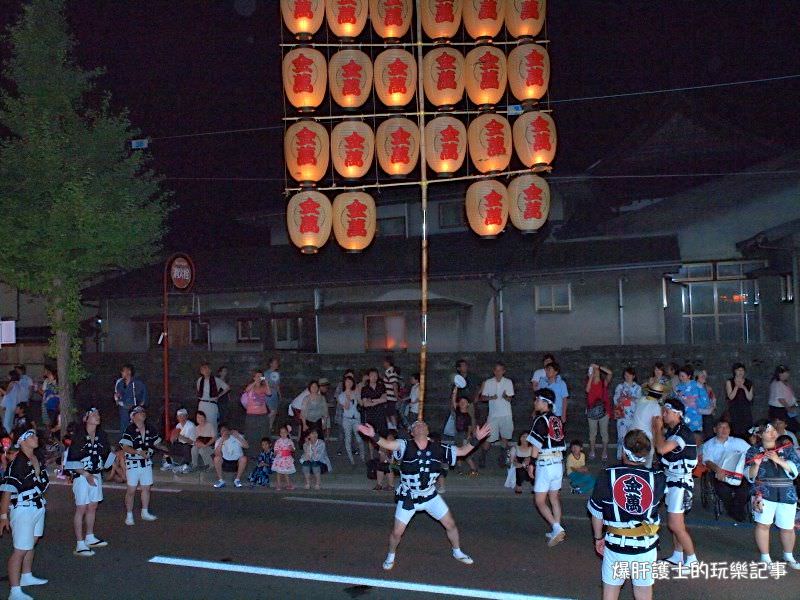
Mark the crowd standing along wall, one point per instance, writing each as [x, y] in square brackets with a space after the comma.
[299, 368]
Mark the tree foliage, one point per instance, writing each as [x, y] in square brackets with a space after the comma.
[75, 201]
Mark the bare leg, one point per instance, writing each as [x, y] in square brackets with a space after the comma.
[449, 524]
[762, 538]
[611, 592]
[396, 535]
[307, 476]
[15, 566]
[130, 492]
[145, 497]
[242, 466]
[218, 465]
[642, 592]
[787, 539]
[541, 503]
[318, 478]
[91, 512]
[27, 559]
[555, 502]
[77, 522]
[681, 539]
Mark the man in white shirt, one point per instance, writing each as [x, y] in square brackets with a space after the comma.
[181, 441]
[229, 455]
[540, 373]
[735, 498]
[648, 407]
[497, 391]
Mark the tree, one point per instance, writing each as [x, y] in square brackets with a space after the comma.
[76, 201]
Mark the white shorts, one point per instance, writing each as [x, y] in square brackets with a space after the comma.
[779, 513]
[85, 493]
[27, 523]
[140, 476]
[548, 477]
[435, 507]
[502, 427]
[640, 574]
[679, 499]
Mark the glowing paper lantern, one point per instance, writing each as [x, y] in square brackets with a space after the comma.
[346, 18]
[307, 151]
[308, 218]
[445, 145]
[390, 18]
[528, 202]
[535, 139]
[395, 77]
[441, 18]
[528, 72]
[354, 220]
[485, 68]
[524, 18]
[304, 78]
[483, 19]
[303, 17]
[350, 76]
[490, 143]
[397, 143]
[487, 208]
[443, 70]
[352, 148]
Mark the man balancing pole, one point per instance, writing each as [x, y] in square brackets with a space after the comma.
[421, 462]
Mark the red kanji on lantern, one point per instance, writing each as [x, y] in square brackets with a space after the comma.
[306, 147]
[529, 10]
[302, 74]
[446, 64]
[489, 71]
[398, 73]
[535, 68]
[351, 75]
[309, 216]
[356, 219]
[488, 10]
[493, 203]
[394, 13]
[302, 9]
[533, 202]
[444, 11]
[495, 138]
[449, 136]
[400, 146]
[541, 135]
[354, 150]
[347, 11]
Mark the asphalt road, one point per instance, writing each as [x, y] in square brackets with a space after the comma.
[297, 541]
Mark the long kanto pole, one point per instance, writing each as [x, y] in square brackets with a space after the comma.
[423, 186]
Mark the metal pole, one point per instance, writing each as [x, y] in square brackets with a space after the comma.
[796, 295]
[621, 313]
[423, 183]
[165, 348]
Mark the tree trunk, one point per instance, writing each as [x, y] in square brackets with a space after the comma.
[63, 348]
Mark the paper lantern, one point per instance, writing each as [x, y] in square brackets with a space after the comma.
[445, 145]
[490, 143]
[352, 148]
[483, 19]
[485, 69]
[397, 145]
[443, 70]
[395, 77]
[487, 208]
[535, 139]
[354, 220]
[528, 202]
[304, 78]
[528, 72]
[350, 76]
[441, 18]
[309, 217]
[346, 18]
[303, 17]
[390, 18]
[306, 149]
[524, 18]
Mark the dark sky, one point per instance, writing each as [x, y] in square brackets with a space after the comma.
[187, 66]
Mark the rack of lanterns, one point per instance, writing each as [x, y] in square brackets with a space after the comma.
[365, 80]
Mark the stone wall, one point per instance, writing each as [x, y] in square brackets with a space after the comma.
[298, 368]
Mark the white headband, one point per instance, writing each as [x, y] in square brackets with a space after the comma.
[28, 434]
[633, 458]
[672, 408]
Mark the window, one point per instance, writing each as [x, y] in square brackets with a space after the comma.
[451, 215]
[248, 330]
[695, 272]
[199, 333]
[385, 332]
[787, 288]
[720, 311]
[554, 297]
[286, 332]
[391, 226]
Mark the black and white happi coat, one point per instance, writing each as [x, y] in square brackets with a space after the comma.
[93, 455]
[625, 497]
[547, 434]
[133, 438]
[681, 461]
[22, 482]
[420, 469]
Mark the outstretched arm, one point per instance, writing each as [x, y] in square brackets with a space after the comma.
[369, 431]
[481, 433]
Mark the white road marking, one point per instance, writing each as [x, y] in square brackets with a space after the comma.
[408, 586]
[119, 486]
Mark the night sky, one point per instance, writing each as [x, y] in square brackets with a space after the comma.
[185, 66]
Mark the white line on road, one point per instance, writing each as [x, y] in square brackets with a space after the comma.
[408, 586]
[119, 486]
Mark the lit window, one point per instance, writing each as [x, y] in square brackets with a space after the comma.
[385, 332]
